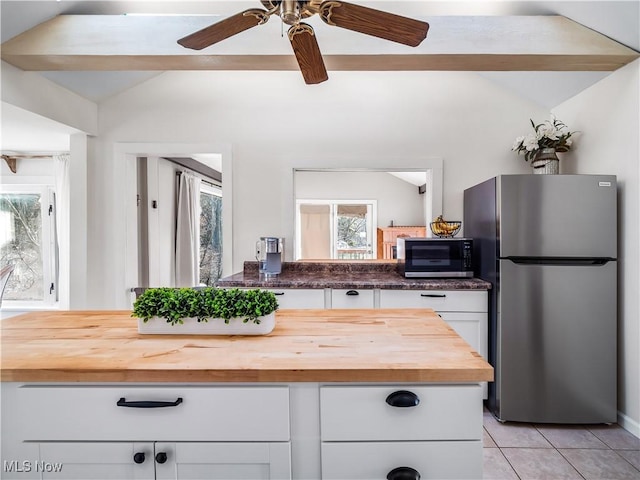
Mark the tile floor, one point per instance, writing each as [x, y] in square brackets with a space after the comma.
[521, 451]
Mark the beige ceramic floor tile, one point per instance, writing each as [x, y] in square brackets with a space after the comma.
[516, 435]
[540, 464]
[496, 466]
[570, 436]
[632, 456]
[487, 441]
[616, 437]
[600, 464]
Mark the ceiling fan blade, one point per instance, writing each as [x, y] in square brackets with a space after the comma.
[305, 46]
[374, 22]
[225, 28]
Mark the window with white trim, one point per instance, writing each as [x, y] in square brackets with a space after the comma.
[210, 234]
[28, 242]
[336, 229]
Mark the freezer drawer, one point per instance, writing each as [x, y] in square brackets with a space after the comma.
[557, 215]
[556, 343]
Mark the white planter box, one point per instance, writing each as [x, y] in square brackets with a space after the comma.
[215, 326]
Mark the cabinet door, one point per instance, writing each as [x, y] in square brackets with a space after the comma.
[352, 298]
[96, 461]
[299, 297]
[472, 326]
[223, 461]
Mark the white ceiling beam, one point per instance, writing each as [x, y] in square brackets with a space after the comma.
[462, 43]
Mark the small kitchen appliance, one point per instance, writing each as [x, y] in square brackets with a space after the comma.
[270, 254]
[435, 257]
[548, 245]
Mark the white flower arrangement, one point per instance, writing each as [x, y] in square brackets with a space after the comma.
[551, 134]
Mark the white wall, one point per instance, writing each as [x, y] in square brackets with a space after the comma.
[608, 116]
[274, 122]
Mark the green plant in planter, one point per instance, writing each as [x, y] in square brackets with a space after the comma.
[174, 304]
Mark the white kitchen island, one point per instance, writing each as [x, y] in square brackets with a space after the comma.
[332, 394]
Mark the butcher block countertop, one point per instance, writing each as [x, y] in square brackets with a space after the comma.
[366, 345]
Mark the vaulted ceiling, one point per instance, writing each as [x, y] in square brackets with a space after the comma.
[560, 47]
[504, 40]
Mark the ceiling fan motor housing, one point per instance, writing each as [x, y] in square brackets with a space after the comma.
[290, 11]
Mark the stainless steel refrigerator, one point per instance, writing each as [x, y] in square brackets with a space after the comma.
[548, 245]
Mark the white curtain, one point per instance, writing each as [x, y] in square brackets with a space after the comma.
[188, 231]
[63, 228]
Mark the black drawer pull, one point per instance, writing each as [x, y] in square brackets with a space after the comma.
[138, 457]
[403, 473]
[433, 295]
[403, 398]
[148, 403]
[161, 457]
[278, 293]
[353, 292]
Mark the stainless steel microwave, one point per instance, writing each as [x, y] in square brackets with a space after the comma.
[435, 257]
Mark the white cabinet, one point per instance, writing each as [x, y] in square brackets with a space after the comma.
[465, 310]
[299, 297]
[164, 460]
[100, 460]
[394, 412]
[352, 298]
[147, 432]
[296, 430]
[439, 300]
[223, 461]
[401, 431]
[135, 413]
[424, 460]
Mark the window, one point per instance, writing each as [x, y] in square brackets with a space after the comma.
[210, 234]
[27, 241]
[337, 229]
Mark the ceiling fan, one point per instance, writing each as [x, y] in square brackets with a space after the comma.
[302, 36]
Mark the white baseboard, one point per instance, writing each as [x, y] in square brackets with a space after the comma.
[629, 424]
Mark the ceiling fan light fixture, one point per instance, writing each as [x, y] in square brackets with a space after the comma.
[290, 12]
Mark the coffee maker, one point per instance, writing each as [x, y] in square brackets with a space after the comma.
[270, 254]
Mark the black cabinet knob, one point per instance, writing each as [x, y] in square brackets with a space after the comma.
[138, 457]
[403, 473]
[352, 292]
[403, 398]
[161, 457]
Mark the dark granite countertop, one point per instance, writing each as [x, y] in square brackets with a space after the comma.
[345, 275]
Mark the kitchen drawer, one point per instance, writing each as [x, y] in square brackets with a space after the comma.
[439, 300]
[299, 298]
[352, 298]
[361, 413]
[205, 413]
[375, 460]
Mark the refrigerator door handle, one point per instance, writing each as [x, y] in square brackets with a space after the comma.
[560, 261]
